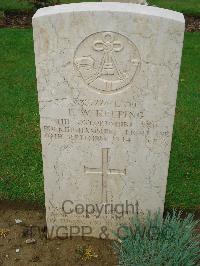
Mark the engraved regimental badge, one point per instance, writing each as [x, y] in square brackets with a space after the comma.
[107, 61]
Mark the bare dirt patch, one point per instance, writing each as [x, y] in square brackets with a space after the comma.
[76, 251]
[15, 251]
[16, 20]
[192, 23]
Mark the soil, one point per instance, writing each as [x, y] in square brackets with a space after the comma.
[44, 252]
[16, 20]
[23, 20]
[68, 252]
[192, 23]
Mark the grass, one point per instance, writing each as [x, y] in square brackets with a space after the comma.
[191, 7]
[185, 6]
[20, 150]
[17, 5]
[184, 173]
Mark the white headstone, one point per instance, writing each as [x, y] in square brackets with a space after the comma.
[141, 2]
[107, 78]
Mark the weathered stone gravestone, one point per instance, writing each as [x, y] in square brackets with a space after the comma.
[141, 2]
[107, 82]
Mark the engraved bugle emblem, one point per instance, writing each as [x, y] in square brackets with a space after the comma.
[107, 61]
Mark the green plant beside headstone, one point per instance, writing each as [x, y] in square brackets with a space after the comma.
[157, 241]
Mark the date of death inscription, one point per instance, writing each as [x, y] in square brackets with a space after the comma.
[81, 123]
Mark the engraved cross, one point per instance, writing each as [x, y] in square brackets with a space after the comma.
[104, 171]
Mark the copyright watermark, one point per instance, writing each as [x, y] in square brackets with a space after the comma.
[118, 210]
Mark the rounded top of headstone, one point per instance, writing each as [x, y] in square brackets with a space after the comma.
[141, 2]
[111, 7]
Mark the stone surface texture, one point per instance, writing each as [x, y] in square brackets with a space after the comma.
[107, 79]
[141, 2]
